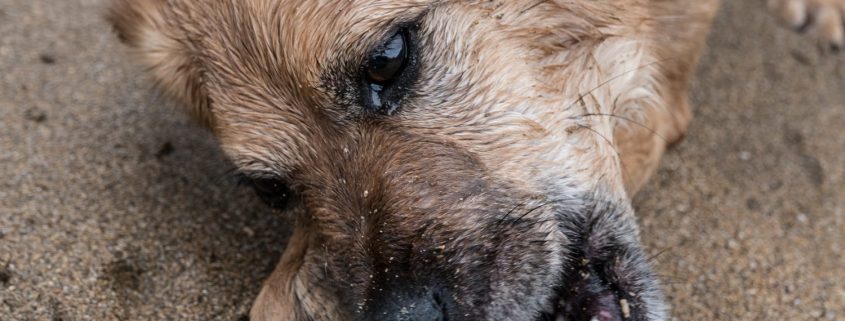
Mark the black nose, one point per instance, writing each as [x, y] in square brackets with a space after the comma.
[404, 305]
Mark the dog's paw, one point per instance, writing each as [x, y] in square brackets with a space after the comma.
[826, 18]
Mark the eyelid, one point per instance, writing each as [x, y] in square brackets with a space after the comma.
[256, 168]
[388, 61]
[377, 39]
[265, 175]
[376, 42]
[247, 177]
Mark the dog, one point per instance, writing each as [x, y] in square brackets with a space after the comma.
[444, 159]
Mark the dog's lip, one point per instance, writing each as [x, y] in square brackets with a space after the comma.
[584, 296]
[604, 307]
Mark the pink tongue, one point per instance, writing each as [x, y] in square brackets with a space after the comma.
[593, 300]
[601, 306]
[606, 307]
[604, 316]
[609, 309]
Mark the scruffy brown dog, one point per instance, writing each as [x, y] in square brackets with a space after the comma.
[453, 160]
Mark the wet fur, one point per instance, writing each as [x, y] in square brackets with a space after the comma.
[530, 125]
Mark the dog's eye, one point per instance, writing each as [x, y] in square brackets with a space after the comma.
[274, 192]
[388, 60]
[388, 72]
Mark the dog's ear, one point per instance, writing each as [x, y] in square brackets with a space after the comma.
[151, 30]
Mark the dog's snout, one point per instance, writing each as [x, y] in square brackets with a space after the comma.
[409, 306]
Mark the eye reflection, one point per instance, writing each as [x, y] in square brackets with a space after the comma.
[388, 60]
[388, 73]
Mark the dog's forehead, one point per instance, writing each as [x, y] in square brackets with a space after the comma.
[292, 44]
[304, 34]
[266, 63]
[267, 60]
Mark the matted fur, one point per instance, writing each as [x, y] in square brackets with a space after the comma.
[510, 162]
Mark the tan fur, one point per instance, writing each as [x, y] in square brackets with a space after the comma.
[164, 50]
[823, 17]
[677, 49]
[518, 104]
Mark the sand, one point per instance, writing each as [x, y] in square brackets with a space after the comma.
[115, 207]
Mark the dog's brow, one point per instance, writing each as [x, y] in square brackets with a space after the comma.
[408, 14]
[354, 44]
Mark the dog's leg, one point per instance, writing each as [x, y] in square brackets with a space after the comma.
[823, 17]
[680, 31]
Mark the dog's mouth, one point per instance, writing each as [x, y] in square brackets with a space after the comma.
[587, 297]
[604, 307]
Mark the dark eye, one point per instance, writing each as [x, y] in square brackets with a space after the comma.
[274, 192]
[388, 60]
[389, 72]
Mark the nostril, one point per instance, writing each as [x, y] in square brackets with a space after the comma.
[441, 306]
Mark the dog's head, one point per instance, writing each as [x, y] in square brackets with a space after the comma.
[451, 158]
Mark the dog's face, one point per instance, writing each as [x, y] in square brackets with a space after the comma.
[454, 160]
